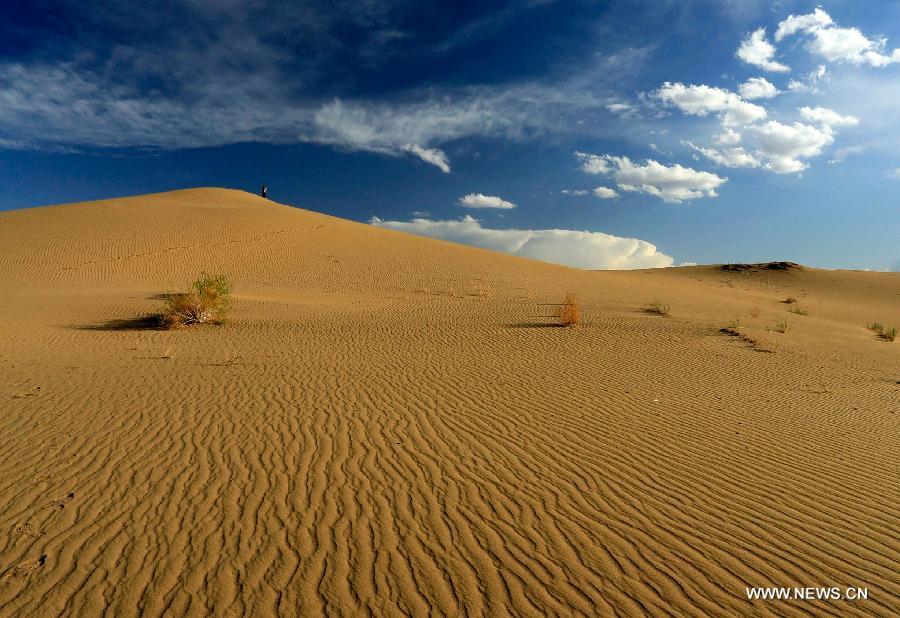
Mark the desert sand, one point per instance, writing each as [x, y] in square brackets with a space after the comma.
[392, 425]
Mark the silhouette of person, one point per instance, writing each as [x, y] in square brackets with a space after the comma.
[264, 191]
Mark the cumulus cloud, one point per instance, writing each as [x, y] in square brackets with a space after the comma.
[581, 249]
[783, 146]
[703, 100]
[727, 157]
[605, 193]
[478, 200]
[796, 23]
[673, 183]
[757, 88]
[835, 43]
[576, 192]
[728, 137]
[755, 49]
[827, 117]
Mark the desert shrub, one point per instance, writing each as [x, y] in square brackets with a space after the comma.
[798, 311]
[885, 333]
[207, 303]
[734, 324]
[657, 307]
[790, 300]
[569, 312]
[781, 326]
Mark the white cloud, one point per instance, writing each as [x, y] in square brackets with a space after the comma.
[842, 153]
[784, 145]
[796, 23]
[576, 192]
[605, 193]
[702, 100]
[837, 44]
[757, 88]
[727, 157]
[827, 117]
[621, 109]
[673, 183]
[478, 200]
[591, 250]
[894, 173]
[729, 137]
[434, 156]
[811, 81]
[756, 50]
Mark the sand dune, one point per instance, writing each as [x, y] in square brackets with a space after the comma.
[389, 426]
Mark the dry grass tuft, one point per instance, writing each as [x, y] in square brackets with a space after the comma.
[207, 303]
[790, 300]
[781, 327]
[569, 312]
[889, 334]
[798, 311]
[657, 307]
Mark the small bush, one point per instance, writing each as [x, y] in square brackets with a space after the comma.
[657, 307]
[781, 327]
[734, 325]
[798, 311]
[207, 303]
[569, 312]
[790, 300]
[888, 334]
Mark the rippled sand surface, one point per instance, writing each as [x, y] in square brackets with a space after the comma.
[392, 425]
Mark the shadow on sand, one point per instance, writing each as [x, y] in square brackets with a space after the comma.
[533, 325]
[145, 322]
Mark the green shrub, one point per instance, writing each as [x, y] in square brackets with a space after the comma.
[207, 303]
[657, 307]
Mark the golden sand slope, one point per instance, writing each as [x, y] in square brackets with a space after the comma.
[387, 426]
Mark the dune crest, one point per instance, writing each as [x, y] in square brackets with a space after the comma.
[393, 424]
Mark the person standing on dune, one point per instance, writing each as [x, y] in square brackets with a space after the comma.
[264, 191]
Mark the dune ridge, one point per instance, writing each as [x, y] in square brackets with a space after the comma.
[391, 425]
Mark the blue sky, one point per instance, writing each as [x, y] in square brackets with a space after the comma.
[596, 134]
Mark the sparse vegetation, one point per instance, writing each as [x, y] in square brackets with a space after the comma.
[888, 334]
[569, 312]
[790, 300]
[754, 312]
[734, 330]
[207, 303]
[781, 327]
[798, 311]
[657, 307]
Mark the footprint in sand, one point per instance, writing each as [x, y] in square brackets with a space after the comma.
[24, 569]
[60, 503]
[28, 530]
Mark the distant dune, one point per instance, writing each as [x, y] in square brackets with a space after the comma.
[392, 424]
